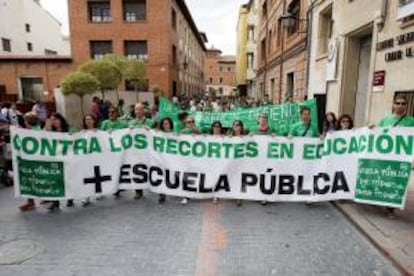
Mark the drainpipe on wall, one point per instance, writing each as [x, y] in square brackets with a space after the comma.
[309, 22]
[267, 43]
[281, 56]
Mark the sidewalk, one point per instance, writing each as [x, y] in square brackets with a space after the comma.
[394, 238]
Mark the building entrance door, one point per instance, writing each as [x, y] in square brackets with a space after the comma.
[32, 88]
[361, 93]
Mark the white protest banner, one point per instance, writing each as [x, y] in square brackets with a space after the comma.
[371, 166]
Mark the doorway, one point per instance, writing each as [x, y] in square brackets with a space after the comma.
[32, 88]
[356, 75]
[361, 92]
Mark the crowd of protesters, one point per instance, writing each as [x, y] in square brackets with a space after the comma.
[105, 116]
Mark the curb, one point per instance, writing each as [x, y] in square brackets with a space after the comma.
[376, 244]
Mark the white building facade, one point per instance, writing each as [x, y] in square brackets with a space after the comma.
[27, 29]
[362, 55]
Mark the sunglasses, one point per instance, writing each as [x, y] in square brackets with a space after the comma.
[400, 103]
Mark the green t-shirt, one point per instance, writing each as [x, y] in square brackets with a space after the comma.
[179, 127]
[136, 123]
[109, 125]
[299, 129]
[391, 120]
[188, 131]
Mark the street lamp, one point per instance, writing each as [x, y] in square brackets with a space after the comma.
[289, 21]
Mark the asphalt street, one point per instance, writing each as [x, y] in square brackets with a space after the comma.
[127, 237]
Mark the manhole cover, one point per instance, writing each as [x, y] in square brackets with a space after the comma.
[15, 252]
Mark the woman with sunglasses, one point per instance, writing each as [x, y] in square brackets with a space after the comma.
[398, 118]
[165, 125]
[217, 130]
[345, 122]
[237, 130]
[190, 128]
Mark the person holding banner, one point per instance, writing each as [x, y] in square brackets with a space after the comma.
[113, 123]
[329, 123]
[90, 123]
[216, 130]
[182, 117]
[31, 122]
[263, 127]
[140, 121]
[237, 130]
[166, 125]
[304, 128]
[398, 118]
[190, 127]
[345, 122]
[57, 123]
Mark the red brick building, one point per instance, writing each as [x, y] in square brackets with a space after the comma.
[31, 78]
[162, 32]
[220, 72]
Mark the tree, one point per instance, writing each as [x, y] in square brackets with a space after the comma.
[107, 74]
[121, 63]
[80, 84]
[136, 73]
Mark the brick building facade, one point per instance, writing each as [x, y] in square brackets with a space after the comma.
[220, 72]
[31, 78]
[161, 32]
[282, 46]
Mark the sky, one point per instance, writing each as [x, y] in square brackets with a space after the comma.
[218, 18]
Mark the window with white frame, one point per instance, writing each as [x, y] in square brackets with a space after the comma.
[405, 11]
[99, 11]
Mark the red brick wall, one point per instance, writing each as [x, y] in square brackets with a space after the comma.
[156, 30]
[50, 71]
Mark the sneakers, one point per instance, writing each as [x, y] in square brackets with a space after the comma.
[161, 199]
[390, 213]
[215, 200]
[99, 197]
[239, 202]
[27, 207]
[138, 194]
[184, 201]
[264, 202]
[70, 203]
[85, 202]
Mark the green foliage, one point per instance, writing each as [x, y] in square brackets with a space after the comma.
[136, 72]
[120, 62]
[107, 73]
[79, 83]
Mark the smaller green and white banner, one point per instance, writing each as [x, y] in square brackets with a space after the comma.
[364, 165]
[280, 117]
